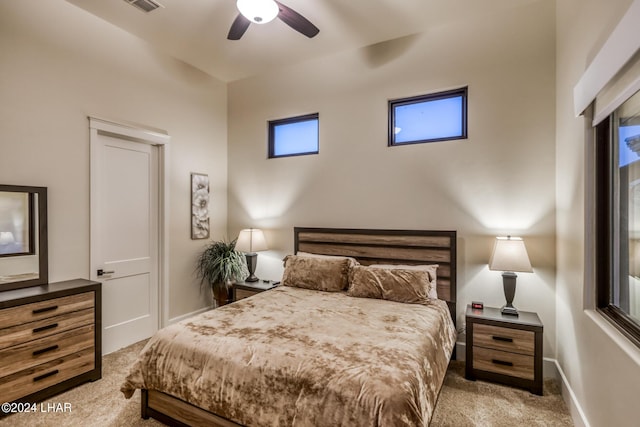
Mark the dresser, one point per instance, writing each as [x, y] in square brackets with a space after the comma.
[504, 348]
[50, 339]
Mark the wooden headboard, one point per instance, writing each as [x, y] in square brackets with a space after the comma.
[388, 247]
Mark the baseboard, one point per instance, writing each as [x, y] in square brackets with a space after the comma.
[577, 414]
[188, 315]
[461, 349]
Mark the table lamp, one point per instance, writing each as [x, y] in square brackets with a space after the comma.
[509, 255]
[250, 241]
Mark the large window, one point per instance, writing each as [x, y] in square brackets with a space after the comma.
[295, 136]
[428, 118]
[618, 217]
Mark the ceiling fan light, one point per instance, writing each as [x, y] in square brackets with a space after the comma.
[258, 11]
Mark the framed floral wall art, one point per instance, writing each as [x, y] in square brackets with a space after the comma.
[199, 206]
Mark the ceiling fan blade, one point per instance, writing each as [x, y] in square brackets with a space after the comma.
[238, 28]
[296, 21]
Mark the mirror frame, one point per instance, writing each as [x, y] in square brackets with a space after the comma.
[43, 254]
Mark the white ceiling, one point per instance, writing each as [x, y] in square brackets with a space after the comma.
[195, 31]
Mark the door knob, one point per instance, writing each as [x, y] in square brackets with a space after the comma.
[101, 272]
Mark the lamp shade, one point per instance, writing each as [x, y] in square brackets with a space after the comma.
[251, 240]
[510, 254]
[258, 11]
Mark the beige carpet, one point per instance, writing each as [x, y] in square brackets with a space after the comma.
[479, 403]
[461, 402]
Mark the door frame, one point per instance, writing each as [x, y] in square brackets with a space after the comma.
[99, 126]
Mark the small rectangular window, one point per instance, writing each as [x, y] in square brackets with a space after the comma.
[295, 136]
[428, 118]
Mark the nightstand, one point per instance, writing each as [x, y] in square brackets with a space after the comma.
[503, 348]
[243, 290]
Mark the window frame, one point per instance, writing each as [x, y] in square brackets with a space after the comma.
[605, 268]
[272, 124]
[453, 93]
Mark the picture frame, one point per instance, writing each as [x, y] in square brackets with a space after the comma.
[199, 206]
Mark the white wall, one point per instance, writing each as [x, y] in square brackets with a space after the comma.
[500, 180]
[604, 378]
[58, 65]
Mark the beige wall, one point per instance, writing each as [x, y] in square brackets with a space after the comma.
[604, 378]
[58, 65]
[501, 180]
[521, 170]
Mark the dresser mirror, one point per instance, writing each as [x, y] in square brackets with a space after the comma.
[23, 237]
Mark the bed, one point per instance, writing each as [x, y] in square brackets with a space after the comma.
[300, 356]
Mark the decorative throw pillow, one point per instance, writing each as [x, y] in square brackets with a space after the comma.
[309, 254]
[322, 274]
[432, 269]
[410, 286]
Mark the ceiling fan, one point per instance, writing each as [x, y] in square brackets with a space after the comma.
[263, 11]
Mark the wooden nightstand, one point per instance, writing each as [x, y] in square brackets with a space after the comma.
[243, 290]
[505, 349]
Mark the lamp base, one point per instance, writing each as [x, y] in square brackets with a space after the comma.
[252, 262]
[509, 310]
[509, 285]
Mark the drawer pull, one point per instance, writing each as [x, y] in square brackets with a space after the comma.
[45, 350]
[44, 328]
[43, 376]
[44, 310]
[505, 339]
[501, 362]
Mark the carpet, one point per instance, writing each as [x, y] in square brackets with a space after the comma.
[461, 403]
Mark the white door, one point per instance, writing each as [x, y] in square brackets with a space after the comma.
[124, 237]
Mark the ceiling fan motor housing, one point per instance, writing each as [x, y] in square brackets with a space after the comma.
[258, 11]
[263, 11]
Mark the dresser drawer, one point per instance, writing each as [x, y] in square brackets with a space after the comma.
[503, 362]
[243, 293]
[33, 353]
[507, 339]
[43, 328]
[45, 309]
[45, 375]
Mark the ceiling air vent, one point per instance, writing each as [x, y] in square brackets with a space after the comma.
[145, 5]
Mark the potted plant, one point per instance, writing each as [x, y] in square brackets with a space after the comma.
[218, 266]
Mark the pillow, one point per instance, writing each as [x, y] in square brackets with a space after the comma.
[432, 269]
[393, 284]
[321, 274]
[310, 255]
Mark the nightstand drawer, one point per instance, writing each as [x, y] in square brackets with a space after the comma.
[502, 362]
[507, 339]
[243, 293]
[242, 290]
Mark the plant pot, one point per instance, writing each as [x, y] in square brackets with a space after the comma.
[223, 293]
